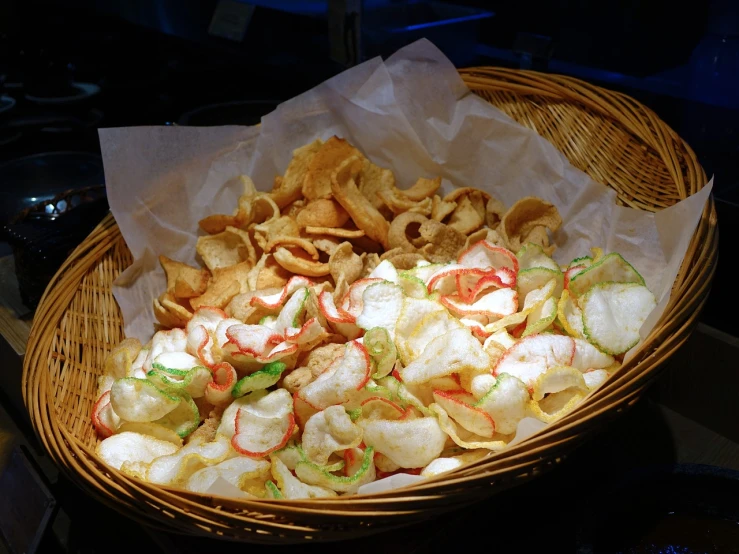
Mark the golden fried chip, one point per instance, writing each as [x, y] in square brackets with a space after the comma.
[370, 262]
[272, 229]
[371, 180]
[361, 210]
[494, 211]
[458, 193]
[292, 261]
[331, 232]
[484, 234]
[226, 283]
[272, 274]
[225, 249]
[298, 242]
[423, 188]
[399, 204]
[293, 209]
[343, 262]
[319, 359]
[465, 217]
[290, 187]
[326, 244]
[257, 208]
[404, 232]
[323, 212]
[405, 260]
[217, 223]
[441, 208]
[523, 216]
[317, 182]
[443, 242]
[181, 310]
[166, 319]
[184, 281]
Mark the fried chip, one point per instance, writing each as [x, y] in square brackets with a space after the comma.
[257, 208]
[423, 188]
[183, 280]
[226, 249]
[317, 181]
[217, 223]
[523, 216]
[494, 211]
[343, 262]
[271, 229]
[465, 217]
[444, 243]
[272, 274]
[371, 180]
[441, 208]
[305, 244]
[361, 210]
[180, 309]
[165, 318]
[326, 244]
[293, 262]
[323, 212]
[290, 187]
[331, 232]
[294, 208]
[398, 204]
[404, 232]
[226, 283]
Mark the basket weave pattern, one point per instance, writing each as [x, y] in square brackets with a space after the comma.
[610, 136]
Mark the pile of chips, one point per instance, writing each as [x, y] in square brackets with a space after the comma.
[345, 333]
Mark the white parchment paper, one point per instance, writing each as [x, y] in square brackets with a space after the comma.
[411, 113]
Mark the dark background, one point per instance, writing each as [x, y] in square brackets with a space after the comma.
[71, 67]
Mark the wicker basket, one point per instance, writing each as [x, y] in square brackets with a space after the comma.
[608, 135]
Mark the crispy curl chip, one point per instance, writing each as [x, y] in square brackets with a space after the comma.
[523, 216]
[257, 208]
[272, 229]
[443, 242]
[539, 236]
[441, 208]
[404, 232]
[333, 232]
[405, 260]
[293, 261]
[317, 182]
[423, 188]
[323, 212]
[371, 180]
[361, 210]
[343, 262]
[272, 274]
[290, 187]
[494, 211]
[166, 319]
[225, 249]
[469, 215]
[217, 223]
[227, 282]
[399, 204]
[289, 242]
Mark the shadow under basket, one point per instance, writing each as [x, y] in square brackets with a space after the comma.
[610, 136]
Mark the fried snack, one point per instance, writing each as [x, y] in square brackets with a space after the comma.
[344, 330]
[290, 187]
[361, 210]
[323, 212]
[524, 216]
[184, 281]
